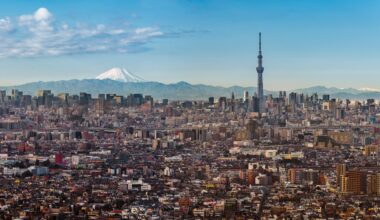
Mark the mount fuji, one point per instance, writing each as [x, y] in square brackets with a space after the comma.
[121, 75]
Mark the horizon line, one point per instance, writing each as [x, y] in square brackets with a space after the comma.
[363, 89]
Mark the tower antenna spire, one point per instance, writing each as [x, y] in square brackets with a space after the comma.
[260, 41]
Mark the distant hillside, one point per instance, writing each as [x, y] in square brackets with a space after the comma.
[175, 91]
[327, 90]
[341, 93]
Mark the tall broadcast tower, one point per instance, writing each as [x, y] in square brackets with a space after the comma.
[260, 87]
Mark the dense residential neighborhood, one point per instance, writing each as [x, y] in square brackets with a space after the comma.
[78, 157]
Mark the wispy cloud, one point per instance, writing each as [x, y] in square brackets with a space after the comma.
[40, 34]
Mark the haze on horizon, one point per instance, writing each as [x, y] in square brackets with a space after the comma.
[305, 43]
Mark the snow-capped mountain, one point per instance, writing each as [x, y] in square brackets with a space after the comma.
[121, 75]
[369, 90]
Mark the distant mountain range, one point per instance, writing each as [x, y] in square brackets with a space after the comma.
[342, 93]
[122, 82]
[174, 91]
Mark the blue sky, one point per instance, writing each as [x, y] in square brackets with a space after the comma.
[305, 43]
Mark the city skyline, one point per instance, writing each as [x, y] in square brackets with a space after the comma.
[161, 109]
[322, 43]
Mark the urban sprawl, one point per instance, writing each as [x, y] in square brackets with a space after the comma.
[114, 157]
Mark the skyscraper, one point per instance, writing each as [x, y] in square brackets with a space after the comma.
[260, 87]
[245, 96]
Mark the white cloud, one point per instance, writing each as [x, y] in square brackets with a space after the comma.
[144, 30]
[40, 34]
[5, 24]
[40, 21]
[42, 14]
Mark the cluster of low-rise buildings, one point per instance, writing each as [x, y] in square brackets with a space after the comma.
[113, 157]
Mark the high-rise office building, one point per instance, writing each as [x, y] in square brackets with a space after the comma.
[45, 97]
[295, 176]
[222, 103]
[325, 97]
[355, 181]
[260, 87]
[372, 184]
[211, 100]
[3, 95]
[378, 184]
[84, 98]
[340, 172]
[245, 96]
[102, 106]
[246, 100]
[255, 104]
